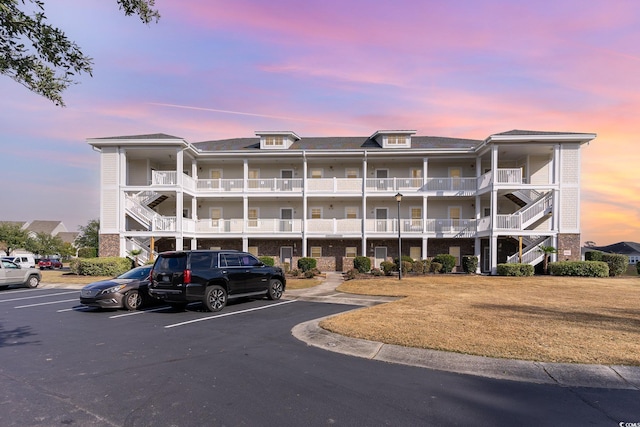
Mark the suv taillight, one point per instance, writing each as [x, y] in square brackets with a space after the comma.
[186, 277]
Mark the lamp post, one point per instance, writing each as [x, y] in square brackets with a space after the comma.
[399, 199]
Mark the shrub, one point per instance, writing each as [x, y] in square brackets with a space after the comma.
[286, 267]
[593, 256]
[295, 272]
[387, 267]
[376, 272]
[514, 269]
[267, 260]
[470, 263]
[418, 267]
[407, 266]
[362, 264]
[579, 268]
[87, 253]
[108, 266]
[351, 274]
[435, 267]
[309, 274]
[426, 266]
[447, 261]
[306, 264]
[617, 263]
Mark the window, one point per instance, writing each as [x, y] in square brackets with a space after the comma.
[350, 252]
[351, 173]
[316, 251]
[254, 173]
[416, 173]
[185, 213]
[215, 175]
[351, 212]
[415, 252]
[316, 173]
[396, 140]
[316, 213]
[274, 141]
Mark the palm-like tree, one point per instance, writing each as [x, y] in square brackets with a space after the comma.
[134, 253]
[547, 251]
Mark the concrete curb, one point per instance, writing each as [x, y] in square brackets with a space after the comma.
[563, 374]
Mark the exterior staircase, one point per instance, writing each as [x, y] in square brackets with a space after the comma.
[139, 207]
[531, 253]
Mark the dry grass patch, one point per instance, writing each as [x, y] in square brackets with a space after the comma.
[553, 319]
[302, 283]
[66, 277]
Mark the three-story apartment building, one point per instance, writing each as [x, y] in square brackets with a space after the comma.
[333, 198]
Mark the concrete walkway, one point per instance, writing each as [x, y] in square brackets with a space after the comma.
[563, 374]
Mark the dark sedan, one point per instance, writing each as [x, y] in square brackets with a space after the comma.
[128, 290]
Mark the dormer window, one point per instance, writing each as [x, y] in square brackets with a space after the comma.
[393, 138]
[397, 140]
[276, 140]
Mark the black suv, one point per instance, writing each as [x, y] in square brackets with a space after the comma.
[212, 277]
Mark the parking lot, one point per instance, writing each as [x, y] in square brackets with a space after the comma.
[63, 363]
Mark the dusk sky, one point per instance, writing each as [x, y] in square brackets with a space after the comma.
[221, 69]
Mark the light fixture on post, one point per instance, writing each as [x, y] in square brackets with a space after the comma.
[399, 199]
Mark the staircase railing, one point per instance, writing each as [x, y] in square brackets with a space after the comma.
[531, 254]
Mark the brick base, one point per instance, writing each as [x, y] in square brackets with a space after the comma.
[109, 245]
[569, 247]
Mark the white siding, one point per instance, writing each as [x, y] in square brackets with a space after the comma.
[109, 174]
[539, 170]
[570, 168]
[569, 205]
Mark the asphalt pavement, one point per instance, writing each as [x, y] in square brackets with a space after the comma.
[563, 374]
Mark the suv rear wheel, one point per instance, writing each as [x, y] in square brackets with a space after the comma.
[215, 298]
[275, 289]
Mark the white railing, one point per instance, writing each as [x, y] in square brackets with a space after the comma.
[453, 227]
[509, 222]
[393, 184]
[275, 184]
[220, 225]
[484, 223]
[451, 184]
[164, 223]
[164, 178]
[531, 254]
[134, 244]
[485, 180]
[221, 185]
[533, 212]
[334, 226]
[509, 176]
[188, 182]
[141, 213]
[334, 185]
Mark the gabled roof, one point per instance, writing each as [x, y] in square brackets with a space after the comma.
[68, 236]
[623, 248]
[338, 143]
[47, 227]
[143, 137]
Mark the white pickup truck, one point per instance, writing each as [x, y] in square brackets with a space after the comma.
[12, 274]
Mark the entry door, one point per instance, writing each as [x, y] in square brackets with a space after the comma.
[454, 217]
[286, 219]
[287, 176]
[382, 181]
[455, 251]
[485, 259]
[381, 219]
[455, 174]
[380, 255]
[286, 255]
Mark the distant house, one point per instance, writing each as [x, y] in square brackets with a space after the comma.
[54, 228]
[631, 249]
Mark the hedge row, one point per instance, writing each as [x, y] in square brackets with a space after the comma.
[579, 268]
[514, 269]
[617, 263]
[107, 266]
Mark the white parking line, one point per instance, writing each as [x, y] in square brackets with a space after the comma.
[75, 308]
[133, 313]
[46, 303]
[40, 296]
[229, 314]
